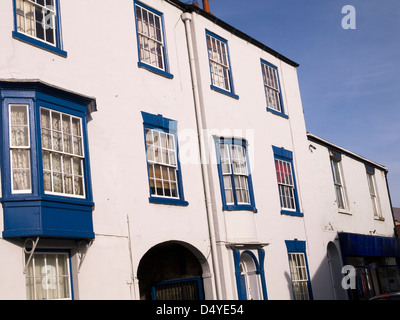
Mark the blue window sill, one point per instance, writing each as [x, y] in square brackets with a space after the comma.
[278, 113]
[292, 213]
[39, 44]
[46, 217]
[232, 207]
[228, 93]
[155, 70]
[175, 202]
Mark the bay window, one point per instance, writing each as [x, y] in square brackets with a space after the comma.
[46, 185]
[62, 153]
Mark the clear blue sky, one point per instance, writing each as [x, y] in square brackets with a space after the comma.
[349, 79]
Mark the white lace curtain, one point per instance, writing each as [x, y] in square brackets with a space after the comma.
[62, 153]
[20, 148]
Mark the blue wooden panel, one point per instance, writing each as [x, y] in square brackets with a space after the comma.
[47, 219]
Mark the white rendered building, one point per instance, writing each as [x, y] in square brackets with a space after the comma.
[144, 158]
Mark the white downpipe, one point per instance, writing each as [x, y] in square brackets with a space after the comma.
[187, 17]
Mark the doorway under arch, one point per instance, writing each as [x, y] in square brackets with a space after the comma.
[171, 271]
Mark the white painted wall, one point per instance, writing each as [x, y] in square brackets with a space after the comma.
[247, 118]
[102, 63]
[327, 220]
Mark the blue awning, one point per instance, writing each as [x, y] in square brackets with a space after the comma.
[353, 244]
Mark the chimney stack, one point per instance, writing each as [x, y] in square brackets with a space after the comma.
[206, 6]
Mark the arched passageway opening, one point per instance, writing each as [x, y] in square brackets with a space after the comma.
[170, 271]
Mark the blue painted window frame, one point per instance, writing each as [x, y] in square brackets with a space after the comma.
[158, 122]
[37, 95]
[259, 263]
[58, 48]
[287, 155]
[55, 251]
[166, 72]
[298, 246]
[230, 93]
[282, 112]
[234, 207]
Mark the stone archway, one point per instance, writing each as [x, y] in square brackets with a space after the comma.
[335, 266]
[171, 271]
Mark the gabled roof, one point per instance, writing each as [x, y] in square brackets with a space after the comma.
[316, 139]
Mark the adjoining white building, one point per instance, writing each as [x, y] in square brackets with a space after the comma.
[352, 209]
[143, 157]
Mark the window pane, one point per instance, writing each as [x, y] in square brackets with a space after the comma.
[20, 148]
[78, 184]
[49, 27]
[271, 84]
[285, 184]
[47, 277]
[21, 173]
[19, 126]
[162, 163]
[339, 197]
[150, 37]
[36, 20]
[68, 184]
[61, 137]
[299, 276]
[218, 63]
[76, 127]
[234, 156]
[50, 3]
[228, 189]
[174, 190]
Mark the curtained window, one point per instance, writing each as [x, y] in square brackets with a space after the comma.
[151, 40]
[37, 19]
[298, 270]
[286, 184]
[234, 170]
[162, 164]
[48, 276]
[271, 86]
[220, 68]
[62, 152]
[217, 52]
[285, 176]
[234, 173]
[300, 277]
[20, 153]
